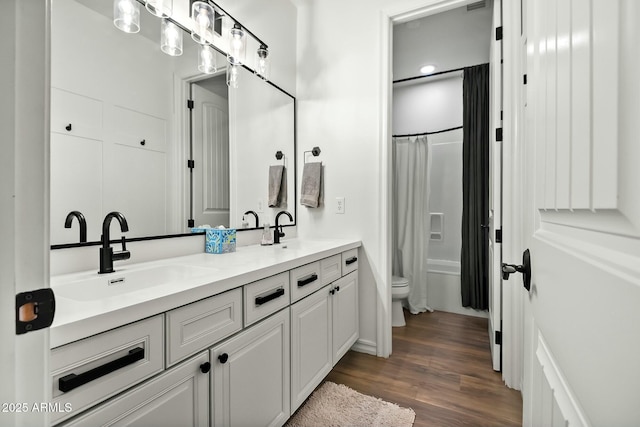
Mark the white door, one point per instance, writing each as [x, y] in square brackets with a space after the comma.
[582, 214]
[24, 210]
[495, 190]
[345, 314]
[210, 128]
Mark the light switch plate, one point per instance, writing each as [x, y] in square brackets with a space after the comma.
[339, 205]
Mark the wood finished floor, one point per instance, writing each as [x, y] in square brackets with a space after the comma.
[441, 368]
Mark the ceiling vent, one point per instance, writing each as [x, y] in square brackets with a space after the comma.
[476, 5]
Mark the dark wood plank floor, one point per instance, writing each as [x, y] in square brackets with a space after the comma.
[441, 368]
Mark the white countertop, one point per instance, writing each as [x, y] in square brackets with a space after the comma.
[76, 319]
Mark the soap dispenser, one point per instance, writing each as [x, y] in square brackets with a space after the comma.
[267, 239]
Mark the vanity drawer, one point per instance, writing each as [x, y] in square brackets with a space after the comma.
[135, 128]
[265, 297]
[91, 370]
[331, 269]
[200, 325]
[305, 280]
[349, 261]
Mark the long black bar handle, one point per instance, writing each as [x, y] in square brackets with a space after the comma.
[309, 279]
[71, 381]
[351, 260]
[266, 298]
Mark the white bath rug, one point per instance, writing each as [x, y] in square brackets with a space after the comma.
[336, 405]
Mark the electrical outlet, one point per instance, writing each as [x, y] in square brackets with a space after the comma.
[260, 207]
[339, 205]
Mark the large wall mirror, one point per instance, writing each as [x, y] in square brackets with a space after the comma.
[122, 133]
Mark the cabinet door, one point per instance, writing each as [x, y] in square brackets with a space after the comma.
[345, 314]
[251, 375]
[179, 397]
[311, 344]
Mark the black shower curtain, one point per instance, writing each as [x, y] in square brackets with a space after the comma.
[475, 187]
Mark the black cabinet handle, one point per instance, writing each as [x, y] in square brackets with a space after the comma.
[68, 127]
[71, 381]
[143, 142]
[223, 358]
[337, 288]
[351, 260]
[205, 367]
[266, 298]
[309, 279]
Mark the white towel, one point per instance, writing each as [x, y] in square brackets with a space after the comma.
[311, 191]
[277, 186]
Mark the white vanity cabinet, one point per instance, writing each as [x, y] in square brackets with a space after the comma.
[250, 375]
[249, 355]
[323, 328]
[178, 397]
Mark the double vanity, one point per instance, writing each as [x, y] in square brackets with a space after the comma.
[235, 339]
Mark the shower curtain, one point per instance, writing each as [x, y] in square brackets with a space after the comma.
[410, 213]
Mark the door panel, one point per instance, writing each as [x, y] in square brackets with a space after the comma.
[211, 153]
[581, 343]
[495, 191]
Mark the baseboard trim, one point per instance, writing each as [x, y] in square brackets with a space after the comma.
[365, 346]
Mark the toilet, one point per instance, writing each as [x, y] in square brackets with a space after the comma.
[399, 291]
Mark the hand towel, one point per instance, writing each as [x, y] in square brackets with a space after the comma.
[277, 186]
[311, 192]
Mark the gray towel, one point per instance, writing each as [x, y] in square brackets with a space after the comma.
[311, 194]
[277, 186]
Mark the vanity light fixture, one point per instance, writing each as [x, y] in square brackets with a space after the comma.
[170, 38]
[237, 45]
[262, 64]
[160, 8]
[203, 17]
[126, 15]
[207, 60]
[233, 74]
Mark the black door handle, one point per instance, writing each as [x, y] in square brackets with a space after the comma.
[266, 298]
[309, 279]
[71, 381]
[525, 269]
[223, 358]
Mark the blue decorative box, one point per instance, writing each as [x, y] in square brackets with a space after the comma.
[218, 241]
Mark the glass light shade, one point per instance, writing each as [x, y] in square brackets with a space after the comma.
[160, 8]
[170, 38]
[203, 16]
[233, 75]
[237, 45]
[126, 15]
[207, 60]
[262, 63]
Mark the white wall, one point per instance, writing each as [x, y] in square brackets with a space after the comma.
[449, 40]
[427, 105]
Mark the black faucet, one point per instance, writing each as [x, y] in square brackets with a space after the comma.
[81, 221]
[278, 233]
[256, 215]
[107, 256]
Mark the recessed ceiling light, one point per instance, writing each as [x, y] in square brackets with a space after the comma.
[427, 69]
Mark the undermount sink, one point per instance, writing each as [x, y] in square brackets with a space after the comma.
[94, 286]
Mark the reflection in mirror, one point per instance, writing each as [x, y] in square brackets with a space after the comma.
[120, 131]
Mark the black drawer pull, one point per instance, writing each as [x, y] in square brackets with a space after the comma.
[351, 260]
[223, 358]
[71, 381]
[266, 298]
[309, 279]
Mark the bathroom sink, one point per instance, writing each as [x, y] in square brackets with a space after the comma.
[94, 286]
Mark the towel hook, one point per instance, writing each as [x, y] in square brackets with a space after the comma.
[280, 156]
[315, 151]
